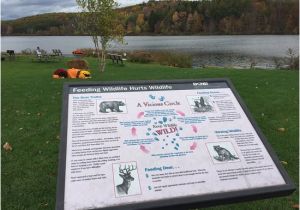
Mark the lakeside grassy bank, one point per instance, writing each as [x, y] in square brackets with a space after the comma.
[31, 106]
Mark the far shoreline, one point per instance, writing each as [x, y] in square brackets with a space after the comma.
[154, 35]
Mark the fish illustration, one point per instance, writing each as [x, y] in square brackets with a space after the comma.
[162, 98]
[152, 97]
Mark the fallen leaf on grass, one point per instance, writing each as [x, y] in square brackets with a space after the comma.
[296, 206]
[7, 147]
[44, 204]
[284, 162]
[281, 129]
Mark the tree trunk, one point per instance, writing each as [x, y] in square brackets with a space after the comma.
[103, 57]
[99, 56]
[99, 59]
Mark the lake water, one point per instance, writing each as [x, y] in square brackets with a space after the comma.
[234, 51]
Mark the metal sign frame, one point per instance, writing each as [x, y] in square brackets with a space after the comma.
[179, 202]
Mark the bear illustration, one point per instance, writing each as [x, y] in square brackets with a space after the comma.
[114, 106]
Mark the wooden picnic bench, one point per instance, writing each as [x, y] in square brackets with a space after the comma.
[11, 54]
[116, 58]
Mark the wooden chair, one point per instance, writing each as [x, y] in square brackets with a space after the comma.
[57, 54]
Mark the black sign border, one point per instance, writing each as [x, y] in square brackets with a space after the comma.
[185, 202]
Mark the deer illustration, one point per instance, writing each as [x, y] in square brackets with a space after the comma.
[125, 174]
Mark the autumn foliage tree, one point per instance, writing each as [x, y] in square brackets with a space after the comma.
[174, 17]
[99, 20]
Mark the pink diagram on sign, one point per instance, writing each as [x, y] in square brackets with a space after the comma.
[133, 131]
[141, 114]
[143, 148]
[193, 146]
[180, 113]
[194, 128]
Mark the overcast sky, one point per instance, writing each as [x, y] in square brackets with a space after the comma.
[12, 9]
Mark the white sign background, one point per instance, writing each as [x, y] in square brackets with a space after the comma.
[163, 171]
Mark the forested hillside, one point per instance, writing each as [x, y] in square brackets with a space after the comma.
[178, 18]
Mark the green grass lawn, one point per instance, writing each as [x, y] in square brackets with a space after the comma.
[31, 107]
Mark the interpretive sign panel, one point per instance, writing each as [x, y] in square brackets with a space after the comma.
[154, 144]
